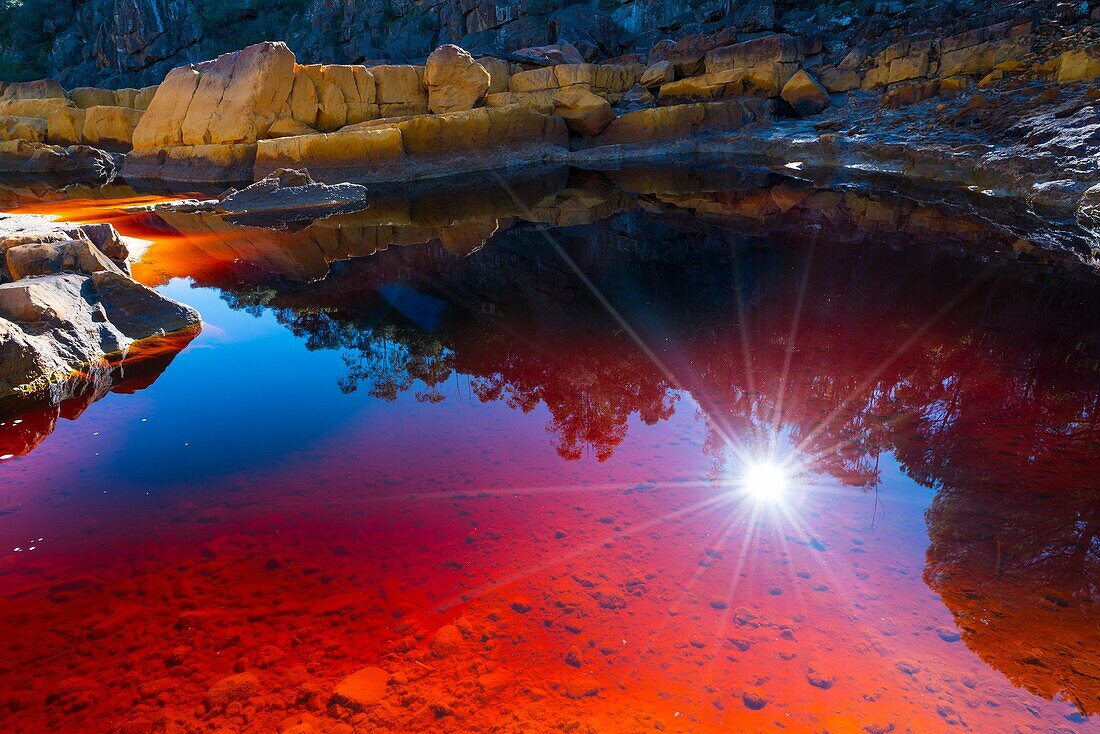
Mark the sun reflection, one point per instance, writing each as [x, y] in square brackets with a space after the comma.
[765, 482]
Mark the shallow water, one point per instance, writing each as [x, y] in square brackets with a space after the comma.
[505, 463]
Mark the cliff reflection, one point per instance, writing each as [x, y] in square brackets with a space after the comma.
[981, 376]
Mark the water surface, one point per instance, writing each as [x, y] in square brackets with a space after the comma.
[495, 445]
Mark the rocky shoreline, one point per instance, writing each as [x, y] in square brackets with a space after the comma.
[70, 312]
[1001, 106]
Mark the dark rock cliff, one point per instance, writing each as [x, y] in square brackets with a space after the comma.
[118, 43]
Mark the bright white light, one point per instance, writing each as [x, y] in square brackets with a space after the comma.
[765, 482]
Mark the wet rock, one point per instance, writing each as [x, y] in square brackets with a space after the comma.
[454, 80]
[361, 690]
[447, 641]
[231, 689]
[817, 679]
[753, 701]
[291, 194]
[582, 687]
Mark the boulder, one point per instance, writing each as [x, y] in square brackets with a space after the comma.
[233, 99]
[1077, 66]
[53, 325]
[837, 79]
[328, 97]
[110, 127]
[361, 690]
[32, 129]
[144, 96]
[50, 258]
[85, 97]
[761, 65]
[25, 157]
[455, 81]
[238, 95]
[583, 112]
[657, 74]
[286, 195]
[552, 55]
[678, 122]
[162, 124]
[805, 94]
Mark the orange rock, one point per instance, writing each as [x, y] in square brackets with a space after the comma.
[583, 112]
[363, 689]
[455, 81]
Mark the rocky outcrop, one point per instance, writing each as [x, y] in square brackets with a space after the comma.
[66, 305]
[455, 81]
[287, 195]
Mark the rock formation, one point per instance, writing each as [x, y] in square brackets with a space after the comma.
[67, 304]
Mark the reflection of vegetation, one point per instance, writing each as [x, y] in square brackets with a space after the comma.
[1020, 571]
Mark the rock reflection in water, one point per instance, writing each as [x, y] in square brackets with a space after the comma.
[858, 328]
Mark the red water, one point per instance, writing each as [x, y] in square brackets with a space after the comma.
[547, 533]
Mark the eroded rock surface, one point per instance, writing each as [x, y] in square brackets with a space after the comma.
[66, 305]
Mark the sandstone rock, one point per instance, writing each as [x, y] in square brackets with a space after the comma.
[238, 95]
[500, 71]
[65, 126]
[32, 129]
[953, 86]
[678, 122]
[125, 97]
[583, 112]
[805, 95]
[977, 51]
[191, 163]
[1077, 66]
[85, 97]
[496, 128]
[144, 96]
[328, 97]
[836, 79]
[286, 127]
[400, 90]
[361, 690]
[33, 107]
[105, 237]
[455, 81]
[38, 89]
[110, 127]
[657, 74]
[50, 258]
[772, 49]
[240, 687]
[540, 101]
[346, 149]
[162, 124]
